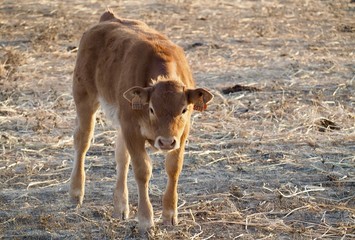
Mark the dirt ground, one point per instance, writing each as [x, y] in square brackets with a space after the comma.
[276, 162]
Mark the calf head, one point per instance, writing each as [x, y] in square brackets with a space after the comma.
[168, 106]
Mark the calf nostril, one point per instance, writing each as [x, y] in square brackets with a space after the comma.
[173, 143]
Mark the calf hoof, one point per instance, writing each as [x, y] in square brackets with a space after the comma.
[121, 214]
[76, 198]
[145, 225]
[170, 219]
[147, 233]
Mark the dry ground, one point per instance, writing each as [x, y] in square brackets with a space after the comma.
[271, 164]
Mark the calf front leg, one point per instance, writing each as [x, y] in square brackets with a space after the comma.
[121, 206]
[142, 171]
[173, 166]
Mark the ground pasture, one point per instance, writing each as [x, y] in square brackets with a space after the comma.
[277, 163]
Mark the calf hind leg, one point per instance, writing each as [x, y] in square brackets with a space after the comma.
[85, 122]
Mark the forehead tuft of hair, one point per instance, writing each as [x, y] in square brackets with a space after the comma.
[168, 85]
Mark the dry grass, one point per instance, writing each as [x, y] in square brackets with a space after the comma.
[271, 164]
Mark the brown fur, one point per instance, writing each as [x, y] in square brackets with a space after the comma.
[142, 81]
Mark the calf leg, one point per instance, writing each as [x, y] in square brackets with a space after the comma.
[85, 122]
[142, 170]
[173, 166]
[121, 207]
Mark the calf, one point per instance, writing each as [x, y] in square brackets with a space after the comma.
[143, 83]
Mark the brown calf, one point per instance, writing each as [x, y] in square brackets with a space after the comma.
[143, 83]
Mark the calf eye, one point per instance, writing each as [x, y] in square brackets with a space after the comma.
[184, 111]
[151, 110]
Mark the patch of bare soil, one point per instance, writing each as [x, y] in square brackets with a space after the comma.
[277, 163]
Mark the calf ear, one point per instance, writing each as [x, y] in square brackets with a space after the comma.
[199, 97]
[138, 97]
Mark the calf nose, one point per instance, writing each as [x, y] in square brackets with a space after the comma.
[166, 143]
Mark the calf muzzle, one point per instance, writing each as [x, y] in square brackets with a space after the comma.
[166, 144]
